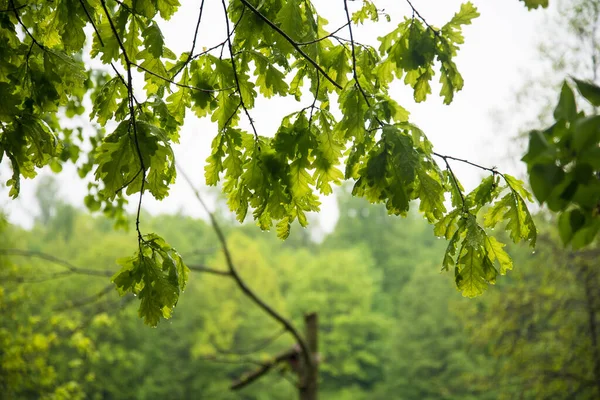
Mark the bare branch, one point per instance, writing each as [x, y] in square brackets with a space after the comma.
[85, 300]
[290, 355]
[242, 284]
[202, 268]
[71, 269]
[261, 346]
[235, 72]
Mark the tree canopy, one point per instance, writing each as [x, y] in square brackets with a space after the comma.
[350, 129]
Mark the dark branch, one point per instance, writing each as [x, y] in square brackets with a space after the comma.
[354, 73]
[332, 34]
[89, 17]
[190, 54]
[69, 305]
[71, 269]
[171, 81]
[129, 85]
[242, 284]
[235, 72]
[416, 12]
[291, 355]
[493, 170]
[261, 346]
[292, 42]
[202, 268]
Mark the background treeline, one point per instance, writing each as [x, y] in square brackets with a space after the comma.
[392, 326]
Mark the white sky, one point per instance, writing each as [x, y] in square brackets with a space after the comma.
[499, 47]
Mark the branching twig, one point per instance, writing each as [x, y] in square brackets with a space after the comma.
[86, 300]
[91, 22]
[416, 12]
[133, 124]
[261, 346]
[235, 72]
[250, 377]
[332, 34]
[71, 269]
[18, 17]
[294, 44]
[354, 73]
[493, 170]
[190, 54]
[202, 268]
[453, 177]
[242, 284]
[171, 81]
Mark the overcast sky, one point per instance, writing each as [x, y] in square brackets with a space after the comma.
[499, 48]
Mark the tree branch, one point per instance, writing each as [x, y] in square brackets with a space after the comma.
[287, 355]
[291, 41]
[71, 269]
[260, 346]
[202, 268]
[85, 300]
[242, 284]
[235, 72]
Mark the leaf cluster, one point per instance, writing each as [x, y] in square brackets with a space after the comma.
[563, 163]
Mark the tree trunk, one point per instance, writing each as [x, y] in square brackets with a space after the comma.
[310, 375]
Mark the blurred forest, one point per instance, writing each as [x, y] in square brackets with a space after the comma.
[392, 326]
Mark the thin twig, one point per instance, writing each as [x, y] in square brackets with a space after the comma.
[235, 72]
[202, 268]
[55, 260]
[69, 305]
[453, 177]
[492, 170]
[261, 346]
[18, 17]
[133, 124]
[171, 81]
[189, 58]
[332, 34]
[354, 73]
[294, 44]
[416, 12]
[92, 22]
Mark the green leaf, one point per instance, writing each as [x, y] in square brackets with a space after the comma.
[354, 109]
[468, 12]
[167, 8]
[473, 276]
[589, 90]
[119, 165]
[431, 195]
[532, 4]
[495, 252]
[105, 104]
[586, 133]
[156, 274]
[566, 108]
[544, 179]
[153, 40]
[520, 224]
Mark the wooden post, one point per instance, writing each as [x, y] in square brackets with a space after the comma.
[310, 376]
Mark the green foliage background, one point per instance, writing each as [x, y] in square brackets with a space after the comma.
[391, 324]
